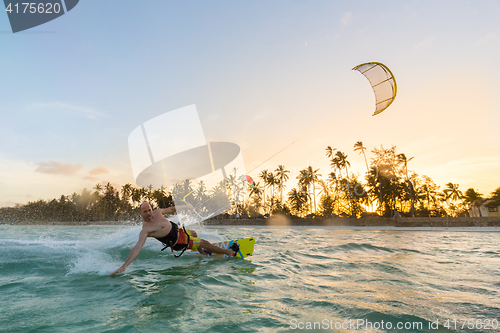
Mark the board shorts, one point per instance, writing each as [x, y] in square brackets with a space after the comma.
[182, 240]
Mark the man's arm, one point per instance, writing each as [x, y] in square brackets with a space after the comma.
[135, 251]
[173, 209]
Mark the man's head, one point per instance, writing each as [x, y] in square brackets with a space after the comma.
[146, 211]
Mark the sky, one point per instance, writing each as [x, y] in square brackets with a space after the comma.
[262, 75]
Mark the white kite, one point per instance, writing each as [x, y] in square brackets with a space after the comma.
[383, 84]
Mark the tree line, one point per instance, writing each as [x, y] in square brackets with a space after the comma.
[388, 186]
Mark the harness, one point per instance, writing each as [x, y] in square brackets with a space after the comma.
[172, 237]
[184, 246]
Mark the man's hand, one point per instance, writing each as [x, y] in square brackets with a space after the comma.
[143, 235]
[119, 270]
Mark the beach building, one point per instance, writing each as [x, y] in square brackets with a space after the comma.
[492, 207]
[489, 208]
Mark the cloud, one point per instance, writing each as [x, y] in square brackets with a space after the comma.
[94, 172]
[486, 39]
[58, 168]
[5, 200]
[112, 183]
[103, 182]
[66, 107]
[346, 18]
[468, 172]
[98, 171]
[425, 43]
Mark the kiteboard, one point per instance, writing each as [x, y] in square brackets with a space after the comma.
[246, 247]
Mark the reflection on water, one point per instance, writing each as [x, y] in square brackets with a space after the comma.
[58, 277]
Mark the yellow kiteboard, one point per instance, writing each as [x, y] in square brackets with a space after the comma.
[246, 247]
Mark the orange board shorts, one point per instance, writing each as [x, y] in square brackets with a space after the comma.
[182, 240]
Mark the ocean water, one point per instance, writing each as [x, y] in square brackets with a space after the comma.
[55, 279]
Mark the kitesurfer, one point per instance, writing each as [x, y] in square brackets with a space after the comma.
[156, 225]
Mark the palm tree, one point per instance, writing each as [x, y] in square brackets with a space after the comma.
[97, 197]
[111, 201]
[402, 159]
[162, 199]
[340, 162]
[264, 175]
[256, 192]
[218, 200]
[201, 193]
[98, 189]
[358, 146]
[281, 174]
[298, 199]
[325, 187]
[272, 181]
[314, 179]
[332, 178]
[186, 186]
[143, 194]
[377, 185]
[475, 199]
[452, 192]
[326, 201]
[308, 177]
[255, 189]
[136, 195]
[126, 192]
[304, 179]
[354, 193]
[232, 184]
[430, 192]
[330, 152]
[495, 197]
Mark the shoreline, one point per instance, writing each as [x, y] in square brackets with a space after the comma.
[282, 221]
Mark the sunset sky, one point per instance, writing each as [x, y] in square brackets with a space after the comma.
[262, 75]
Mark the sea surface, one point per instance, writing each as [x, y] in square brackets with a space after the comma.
[55, 279]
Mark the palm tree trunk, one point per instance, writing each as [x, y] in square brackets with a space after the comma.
[314, 195]
[367, 169]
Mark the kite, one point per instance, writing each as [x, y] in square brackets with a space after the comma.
[383, 84]
[247, 179]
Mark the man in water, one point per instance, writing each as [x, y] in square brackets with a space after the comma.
[156, 225]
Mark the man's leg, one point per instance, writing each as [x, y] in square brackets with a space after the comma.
[193, 233]
[210, 247]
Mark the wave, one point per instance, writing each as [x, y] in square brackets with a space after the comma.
[363, 247]
[78, 251]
